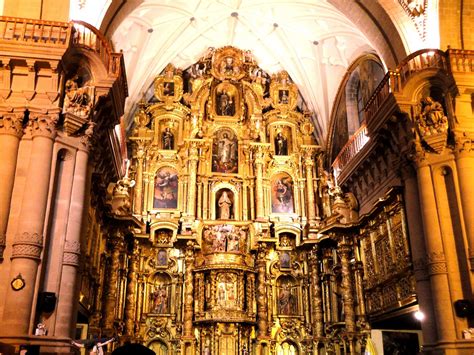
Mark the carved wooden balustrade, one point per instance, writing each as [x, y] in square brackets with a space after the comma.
[394, 82]
[61, 35]
[352, 147]
[34, 32]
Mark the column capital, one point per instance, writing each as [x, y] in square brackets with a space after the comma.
[464, 143]
[43, 124]
[11, 123]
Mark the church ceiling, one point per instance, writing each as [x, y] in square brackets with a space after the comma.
[312, 40]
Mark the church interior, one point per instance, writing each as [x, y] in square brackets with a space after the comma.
[237, 177]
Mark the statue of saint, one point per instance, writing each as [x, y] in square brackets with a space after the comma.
[167, 139]
[281, 145]
[432, 112]
[225, 205]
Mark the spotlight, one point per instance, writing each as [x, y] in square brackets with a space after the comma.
[419, 315]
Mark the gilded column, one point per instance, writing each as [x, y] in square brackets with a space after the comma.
[344, 249]
[316, 299]
[67, 298]
[11, 130]
[309, 163]
[115, 245]
[131, 297]
[262, 299]
[259, 162]
[138, 196]
[28, 243]
[193, 164]
[188, 292]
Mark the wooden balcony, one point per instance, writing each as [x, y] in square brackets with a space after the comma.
[383, 99]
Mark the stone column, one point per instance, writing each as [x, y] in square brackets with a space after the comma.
[262, 299]
[11, 130]
[28, 243]
[464, 156]
[116, 247]
[131, 301]
[417, 244]
[316, 299]
[67, 298]
[437, 268]
[192, 179]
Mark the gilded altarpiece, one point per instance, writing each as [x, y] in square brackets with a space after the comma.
[246, 244]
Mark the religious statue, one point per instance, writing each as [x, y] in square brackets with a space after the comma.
[167, 139]
[432, 111]
[78, 100]
[225, 205]
[432, 118]
[281, 145]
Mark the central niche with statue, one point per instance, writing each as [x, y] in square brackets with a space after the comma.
[235, 254]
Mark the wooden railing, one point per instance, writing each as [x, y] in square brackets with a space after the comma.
[394, 82]
[87, 36]
[352, 147]
[34, 32]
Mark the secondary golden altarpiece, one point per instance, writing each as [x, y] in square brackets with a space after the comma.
[247, 246]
